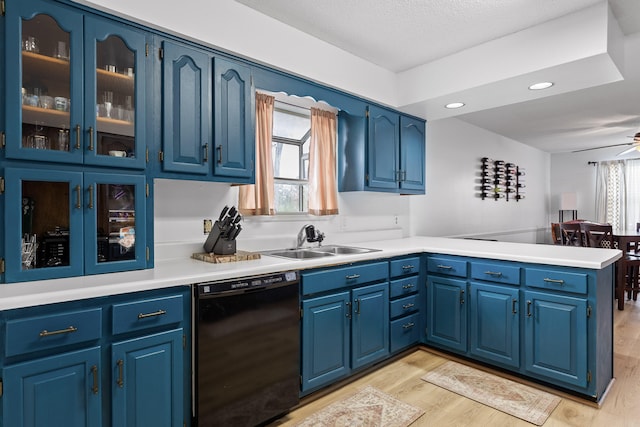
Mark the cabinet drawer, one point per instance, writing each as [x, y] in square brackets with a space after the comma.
[495, 272]
[448, 266]
[556, 280]
[404, 332]
[51, 331]
[403, 306]
[404, 286]
[402, 267]
[326, 280]
[147, 313]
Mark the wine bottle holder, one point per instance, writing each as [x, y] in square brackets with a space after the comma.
[501, 180]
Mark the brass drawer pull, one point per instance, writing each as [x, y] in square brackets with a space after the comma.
[408, 325]
[78, 197]
[219, 148]
[444, 267]
[68, 330]
[91, 197]
[494, 273]
[77, 137]
[206, 152]
[514, 303]
[154, 314]
[557, 281]
[352, 277]
[407, 286]
[94, 372]
[120, 380]
[528, 308]
[90, 138]
[407, 306]
[408, 267]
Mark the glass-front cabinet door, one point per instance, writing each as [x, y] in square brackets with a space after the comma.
[114, 94]
[77, 86]
[44, 90]
[63, 224]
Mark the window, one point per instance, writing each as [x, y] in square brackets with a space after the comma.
[290, 152]
[618, 193]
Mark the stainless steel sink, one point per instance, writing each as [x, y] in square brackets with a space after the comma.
[318, 252]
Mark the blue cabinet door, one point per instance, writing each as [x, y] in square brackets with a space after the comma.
[33, 122]
[556, 338]
[115, 63]
[61, 390]
[147, 387]
[46, 206]
[383, 149]
[186, 104]
[447, 312]
[234, 112]
[325, 339]
[495, 324]
[412, 157]
[370, 324]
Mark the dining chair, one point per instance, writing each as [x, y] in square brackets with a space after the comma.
[571, 234]
[597, 235]
[555, 233]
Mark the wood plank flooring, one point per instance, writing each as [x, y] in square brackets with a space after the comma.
[401, 379]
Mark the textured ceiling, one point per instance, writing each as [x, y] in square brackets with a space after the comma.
[403, 34]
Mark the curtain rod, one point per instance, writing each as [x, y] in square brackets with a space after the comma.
[592, 163]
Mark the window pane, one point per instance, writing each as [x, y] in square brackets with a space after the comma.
[286, 161]
[289, 197]
[290, 126]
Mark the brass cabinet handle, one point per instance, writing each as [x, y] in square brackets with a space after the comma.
[407, 286]
[77, 137]
[461, 296]
[91, 197]
[514, 303]
[444, 267]
[155, 313]
[494, 273]
[408, 325]
[94, 372]
[557, 281]
[206, 152]
[408, 306]
[528, 308]
[68, 330]
[219, 154]
[90, 138]
[352, 276]
[78, 197]
[120, 380]
[408, 267]
[348, 309]
[357, 310]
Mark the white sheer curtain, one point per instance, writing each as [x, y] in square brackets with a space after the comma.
[618, 193]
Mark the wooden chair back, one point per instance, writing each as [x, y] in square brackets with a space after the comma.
[571, 234]
[555, 233]
[598, 235]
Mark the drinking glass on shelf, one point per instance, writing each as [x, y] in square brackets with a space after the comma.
[30, 44]
[107, 98]
[63, 140]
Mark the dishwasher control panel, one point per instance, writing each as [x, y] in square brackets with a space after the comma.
[247, 283]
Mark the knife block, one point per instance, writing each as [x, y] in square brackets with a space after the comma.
[217, 244]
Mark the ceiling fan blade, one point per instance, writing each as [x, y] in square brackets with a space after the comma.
[629, 150]
[603, 146]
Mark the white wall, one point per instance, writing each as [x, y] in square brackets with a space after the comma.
[452, 206]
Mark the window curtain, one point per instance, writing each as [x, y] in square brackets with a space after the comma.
[258, 198]
[611, 193]
[323, 192]
[632, 184]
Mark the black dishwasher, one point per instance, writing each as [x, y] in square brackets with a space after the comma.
[246, 349]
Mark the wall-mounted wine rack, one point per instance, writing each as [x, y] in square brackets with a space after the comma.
[501, 180]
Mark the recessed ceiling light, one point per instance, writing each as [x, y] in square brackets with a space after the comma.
[540, 86]
[454, 105]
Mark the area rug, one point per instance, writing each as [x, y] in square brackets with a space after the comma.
[508, 396]
[369, 407]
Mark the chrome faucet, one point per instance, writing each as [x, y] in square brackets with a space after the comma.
[309, 234]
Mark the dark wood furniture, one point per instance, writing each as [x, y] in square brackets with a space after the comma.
[628, 267]
[571, 234]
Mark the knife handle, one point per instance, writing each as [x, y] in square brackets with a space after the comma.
[223, 213]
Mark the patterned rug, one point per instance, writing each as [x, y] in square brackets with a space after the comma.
[510, 397]
[367, 408]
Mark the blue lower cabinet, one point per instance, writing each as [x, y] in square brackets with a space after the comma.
[404, 332]
[447, 312]
[556, 338]
[370, 324]
[60, 390]
[494, 324]
[147, 386]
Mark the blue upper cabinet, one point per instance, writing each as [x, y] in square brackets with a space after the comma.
[73, 98]
[234, 118]
[383, 149]
[412, 156]
[186, 105]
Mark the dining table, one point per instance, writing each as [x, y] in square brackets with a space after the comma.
[628, 241]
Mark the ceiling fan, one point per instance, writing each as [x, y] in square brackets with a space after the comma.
[634, 145]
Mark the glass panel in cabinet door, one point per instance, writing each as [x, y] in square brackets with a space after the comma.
[116, 222]
[115, 104]
[42, 40]
[43, 224]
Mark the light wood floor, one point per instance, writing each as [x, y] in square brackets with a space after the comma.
[401, 379]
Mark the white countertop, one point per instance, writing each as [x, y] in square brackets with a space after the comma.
[175, 272]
